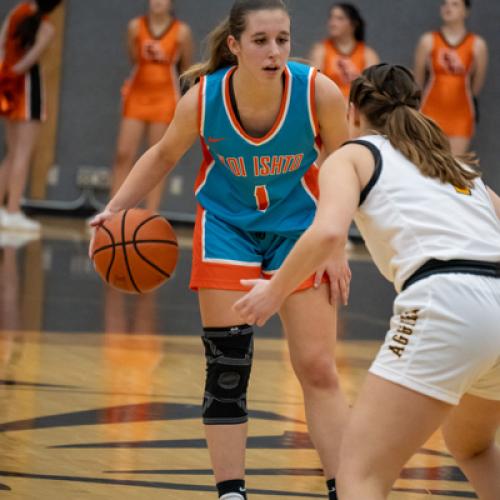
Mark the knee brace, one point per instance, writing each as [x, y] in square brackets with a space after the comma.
[229, 353]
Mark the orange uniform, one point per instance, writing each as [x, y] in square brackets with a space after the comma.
[28, 102]
[343, 68]
[448, 96]
[152, 91]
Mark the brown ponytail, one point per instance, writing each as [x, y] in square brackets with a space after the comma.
[219, 55]
[389, 98]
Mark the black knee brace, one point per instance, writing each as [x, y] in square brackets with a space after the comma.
[229, 353]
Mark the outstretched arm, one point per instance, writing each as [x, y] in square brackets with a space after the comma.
[325, 239]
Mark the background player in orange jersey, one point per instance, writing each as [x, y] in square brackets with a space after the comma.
[160, 47]
[344, 54]
[24, 36]
[450, 65]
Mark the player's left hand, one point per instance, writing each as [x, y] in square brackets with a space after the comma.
[98, 219]
[339, 274]
[259, 304]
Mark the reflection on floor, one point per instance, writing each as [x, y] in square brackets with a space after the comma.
[100, 392]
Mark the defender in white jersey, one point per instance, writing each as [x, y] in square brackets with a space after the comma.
[433, 229]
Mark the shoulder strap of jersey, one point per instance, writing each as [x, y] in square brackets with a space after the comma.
[377, 156]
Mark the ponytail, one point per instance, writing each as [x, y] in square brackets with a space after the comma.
[219, 55]
[421, 141]
[389, 98]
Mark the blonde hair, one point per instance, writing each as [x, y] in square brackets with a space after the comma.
[388, 96]
[219, 55]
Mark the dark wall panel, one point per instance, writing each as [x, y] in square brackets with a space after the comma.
[95, 65]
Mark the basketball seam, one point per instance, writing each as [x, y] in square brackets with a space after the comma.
[127, 265]
[107, 247]
[145, 259]
[152, 264]
[136, 230]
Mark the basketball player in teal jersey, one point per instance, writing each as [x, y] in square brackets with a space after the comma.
[262, 121]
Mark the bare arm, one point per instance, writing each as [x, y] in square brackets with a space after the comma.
[186, 47]
[132, 30]
[332, 114]
[340, 188]
[480, 67]
[495, 199]
[422, 53]
[317, 56]
[371, 57]
[161, 158]
[43, 38]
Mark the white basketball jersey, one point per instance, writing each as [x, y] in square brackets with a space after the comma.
[407, 219]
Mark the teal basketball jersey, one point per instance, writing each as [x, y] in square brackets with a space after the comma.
[265, 184]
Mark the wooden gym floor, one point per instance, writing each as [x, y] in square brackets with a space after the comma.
[100, 392]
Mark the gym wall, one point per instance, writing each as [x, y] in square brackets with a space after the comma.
[95, 65]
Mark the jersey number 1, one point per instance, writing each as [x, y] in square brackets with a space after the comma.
[261, 198]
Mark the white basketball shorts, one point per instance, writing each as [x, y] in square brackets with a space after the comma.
[444, 338]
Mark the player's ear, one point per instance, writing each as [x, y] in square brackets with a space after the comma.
[233, 45]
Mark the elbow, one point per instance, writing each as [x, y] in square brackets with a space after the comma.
[329, 238]
[161, 153]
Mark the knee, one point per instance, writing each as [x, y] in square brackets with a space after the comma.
[462, 449]
[229, 353]
[316, 370]
[358, 479]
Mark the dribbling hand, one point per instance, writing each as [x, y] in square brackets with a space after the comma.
[99, 219]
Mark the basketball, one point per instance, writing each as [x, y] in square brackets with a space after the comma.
[135, 251]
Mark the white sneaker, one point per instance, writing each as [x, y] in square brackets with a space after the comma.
[15, 239]
[17, 221]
